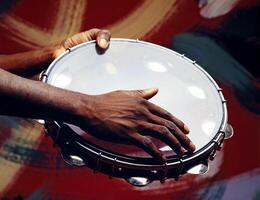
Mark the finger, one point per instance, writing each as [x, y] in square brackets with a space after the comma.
[147, 145]
[103, 38]
[165, 114]
[146, 93]
[163, 133]
[81, 37]
[182, 138]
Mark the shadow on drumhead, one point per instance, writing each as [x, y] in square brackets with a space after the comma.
[99, 50]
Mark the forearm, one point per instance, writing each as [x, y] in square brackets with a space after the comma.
[31, 63]
[33, 99]
[28, 63]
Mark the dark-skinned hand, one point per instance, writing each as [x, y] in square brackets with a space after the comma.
[102, 38]
[129, 116]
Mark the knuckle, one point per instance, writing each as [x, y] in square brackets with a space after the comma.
[176, 120]
[106, 32]
[164, 112]
[170, 125]
[163, 130]
[92, 31]
[144, 102]
[186, 139]
[167, 113]
[147, 142]
[143, 111]
[138, 112]
[140, 101]
[140, 125]
[179, 122]
[139, 91]
[132, 93]
[118, 91]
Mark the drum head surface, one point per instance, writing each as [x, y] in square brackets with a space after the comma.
[184, 89]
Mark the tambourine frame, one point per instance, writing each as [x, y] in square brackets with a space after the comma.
[125, 166]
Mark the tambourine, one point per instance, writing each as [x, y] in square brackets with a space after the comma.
[185, 90]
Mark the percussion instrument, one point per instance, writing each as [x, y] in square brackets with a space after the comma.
[185, 90]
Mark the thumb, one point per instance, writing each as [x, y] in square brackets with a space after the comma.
[148, 93]
[103, 38]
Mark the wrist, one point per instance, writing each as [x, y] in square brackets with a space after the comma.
[79, 109]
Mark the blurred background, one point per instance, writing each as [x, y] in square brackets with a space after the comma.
[223, 36]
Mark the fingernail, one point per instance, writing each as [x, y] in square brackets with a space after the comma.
[186, 128]
[192, 146]
[180, 152]
[103, 43]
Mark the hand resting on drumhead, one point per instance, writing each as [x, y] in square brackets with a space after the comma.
[129, 116]
[118, 115]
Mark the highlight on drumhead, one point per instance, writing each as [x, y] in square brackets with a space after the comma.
[197, 92]
[156, 67]
[62, 80]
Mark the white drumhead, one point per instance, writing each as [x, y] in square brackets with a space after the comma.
[185, 89]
